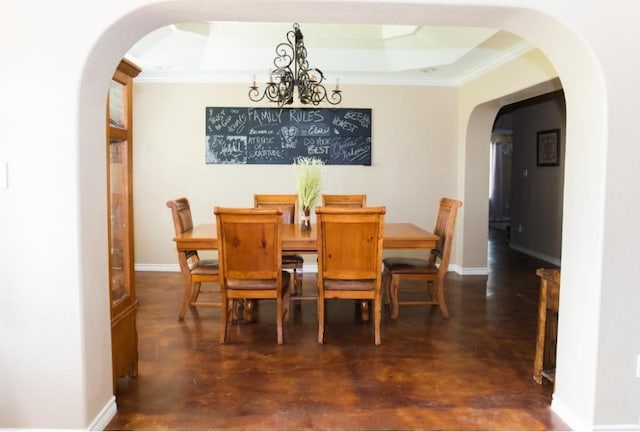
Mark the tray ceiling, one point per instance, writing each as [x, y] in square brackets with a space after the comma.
[236, 52]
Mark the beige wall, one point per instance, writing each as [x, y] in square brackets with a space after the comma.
[536, 205]
[413, 158]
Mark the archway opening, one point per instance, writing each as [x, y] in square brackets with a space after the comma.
[125, 33]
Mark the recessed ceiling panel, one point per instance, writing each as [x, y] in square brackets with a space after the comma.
[217, 51]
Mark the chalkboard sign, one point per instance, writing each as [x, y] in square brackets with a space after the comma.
[278, 136]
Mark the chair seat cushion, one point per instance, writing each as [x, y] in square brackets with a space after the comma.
[258, 284]
[349, 285]
[408, 265]
[292, 259]
[205, 267]
[207, 263]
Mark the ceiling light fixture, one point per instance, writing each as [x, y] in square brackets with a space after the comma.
[292, 74]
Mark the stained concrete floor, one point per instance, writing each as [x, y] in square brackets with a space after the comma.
[471, 372]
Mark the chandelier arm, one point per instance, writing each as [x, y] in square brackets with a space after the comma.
[270, 92]
[336, 97]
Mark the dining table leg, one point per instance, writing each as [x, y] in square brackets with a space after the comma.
[364, 306]
[251, 310]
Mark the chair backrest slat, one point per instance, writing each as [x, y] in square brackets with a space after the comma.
[288, 204]
[354, 200]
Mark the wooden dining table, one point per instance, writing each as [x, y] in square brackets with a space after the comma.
[396, 235]
[294, 239]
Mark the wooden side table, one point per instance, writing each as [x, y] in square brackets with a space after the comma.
[545, 361]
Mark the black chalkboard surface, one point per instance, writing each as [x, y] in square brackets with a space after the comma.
[277, 136]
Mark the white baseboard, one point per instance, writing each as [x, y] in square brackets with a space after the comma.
[105, 416]
[469, 271]
[157, 267]
[310, 268]
[577, 424]
[552, 260]
[568, 416]
[608, 428]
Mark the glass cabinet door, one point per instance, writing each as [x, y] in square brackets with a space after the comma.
[120, 242]
[117, 105]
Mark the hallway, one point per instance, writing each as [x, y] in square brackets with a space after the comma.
[471, 372]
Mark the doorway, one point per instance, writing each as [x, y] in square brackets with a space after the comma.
[526, 195]
[500, 164]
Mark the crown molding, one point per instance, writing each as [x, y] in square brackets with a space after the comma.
[502, 58]
[412, 78]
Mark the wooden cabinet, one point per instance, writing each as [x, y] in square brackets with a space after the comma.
[124, 302]
[544, 365]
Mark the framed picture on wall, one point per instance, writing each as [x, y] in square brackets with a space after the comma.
[549, 147]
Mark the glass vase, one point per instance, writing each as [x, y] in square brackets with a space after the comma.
[305, 220]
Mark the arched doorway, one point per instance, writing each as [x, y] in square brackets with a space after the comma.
[130, 28]
[525, 193]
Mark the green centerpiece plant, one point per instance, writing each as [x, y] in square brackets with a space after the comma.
[308, 171]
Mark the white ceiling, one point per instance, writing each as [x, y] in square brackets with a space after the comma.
[366, 54]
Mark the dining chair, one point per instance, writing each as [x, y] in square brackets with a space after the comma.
[250, 251]
[356, 200]
[288, 204]
[350, 259]
[431, 270]
[195, 271]
[350, 200]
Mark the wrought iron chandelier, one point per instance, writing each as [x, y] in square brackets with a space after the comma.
[292, 73]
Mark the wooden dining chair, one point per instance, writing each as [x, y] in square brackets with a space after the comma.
[250, 251]
[195, 271]
[357, 200]
[288, 204]
[350, 259]
[353, 200]
[431, 270]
